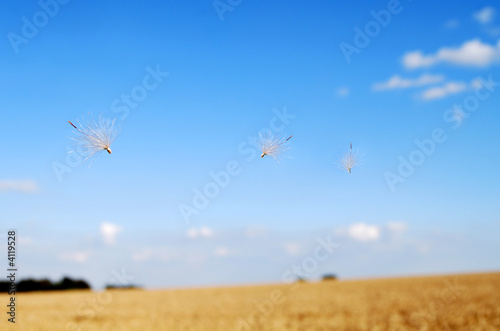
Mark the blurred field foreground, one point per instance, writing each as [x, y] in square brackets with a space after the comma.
[452, 302]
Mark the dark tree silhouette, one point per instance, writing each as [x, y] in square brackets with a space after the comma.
[329, 277]
[29, 285]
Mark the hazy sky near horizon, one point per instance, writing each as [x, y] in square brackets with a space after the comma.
[185, 199]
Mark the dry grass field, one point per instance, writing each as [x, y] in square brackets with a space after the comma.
[462, 302]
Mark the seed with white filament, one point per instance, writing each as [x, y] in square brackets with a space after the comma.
[349, 160]
[271, 145]
[94, 137]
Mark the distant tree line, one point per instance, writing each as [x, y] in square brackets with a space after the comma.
[329, 277]
[325, 277]
[29, 285]
[121, 287]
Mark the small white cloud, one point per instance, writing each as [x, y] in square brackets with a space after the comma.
[221, 251]
[204, 231]
[396, 82]
[443, 91]
[451, 24]
[109, 232]
[451, 88]
[292, 248]
[192, 233]
[364, 232]
[484, 15]
[79, 257]
[470, 53]
[343, 91]
[22, 186]
[416, 60]
[397, 228]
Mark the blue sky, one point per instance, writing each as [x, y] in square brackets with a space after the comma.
[202, 79]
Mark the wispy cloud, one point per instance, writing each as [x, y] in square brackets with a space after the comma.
[470, 53]
[444, 90]
[364, 232]
[396, 82]
[203, 232]
[221, 251]
[109, 232]
[292, 248]
[485, 15]
[27, 186]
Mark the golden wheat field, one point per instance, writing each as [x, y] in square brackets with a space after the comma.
[454, 302]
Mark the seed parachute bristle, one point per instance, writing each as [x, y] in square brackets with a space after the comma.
[94, 137]
[349, 160]
[272, 146]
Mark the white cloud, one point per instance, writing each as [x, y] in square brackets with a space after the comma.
[221, 251]
[470, 53]
[206, 232]
[292, 248]
[343, 91]
[397, 228]
[364, 232]
[444, 90]
[22, 186]
[452, 24]
[416, 59]
[109, 231]
[79, 257]
[200, 232]
[396, 82]
[484, 15]
[192, 233]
